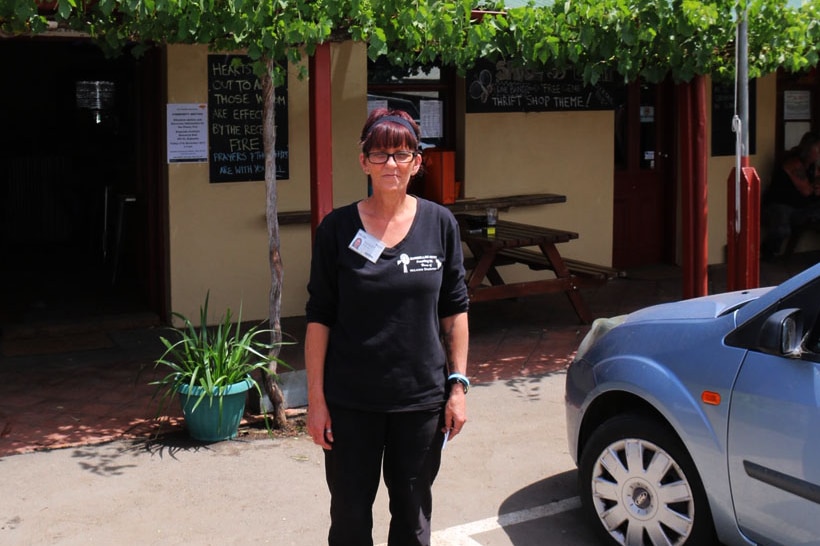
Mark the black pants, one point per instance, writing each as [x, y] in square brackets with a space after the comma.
[408, 444]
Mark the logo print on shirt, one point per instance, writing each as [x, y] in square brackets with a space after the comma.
[414, 264]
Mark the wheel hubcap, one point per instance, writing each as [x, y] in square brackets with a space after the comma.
[641, 498]
[641, 495]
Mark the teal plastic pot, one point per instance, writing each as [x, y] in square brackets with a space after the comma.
[206, 422]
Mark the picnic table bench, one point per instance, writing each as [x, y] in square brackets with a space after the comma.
[508, 245]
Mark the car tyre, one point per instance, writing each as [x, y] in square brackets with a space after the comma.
[639, 486]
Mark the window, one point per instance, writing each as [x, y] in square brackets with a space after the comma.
[426, 93]
[798, 107]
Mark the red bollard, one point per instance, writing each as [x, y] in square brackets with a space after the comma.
[743, 230]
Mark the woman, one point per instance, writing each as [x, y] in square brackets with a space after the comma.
[386, 341]
[792, 200]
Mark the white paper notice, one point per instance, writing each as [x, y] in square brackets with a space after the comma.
[431, 123]
[372, 104]
[796, 105]
[187, 133]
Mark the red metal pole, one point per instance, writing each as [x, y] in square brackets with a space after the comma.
[743, 233]
[751, 210]
[321, 136]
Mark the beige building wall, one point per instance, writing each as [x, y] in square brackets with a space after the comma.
[720, 167]
[567, 153]
[571, 154]
[218, 237]
[218, 234]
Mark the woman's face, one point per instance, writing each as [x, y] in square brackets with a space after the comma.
[390, 169]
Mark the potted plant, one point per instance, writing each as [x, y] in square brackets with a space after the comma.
[211, 370]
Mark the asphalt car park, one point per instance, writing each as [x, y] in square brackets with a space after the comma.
[507, 479]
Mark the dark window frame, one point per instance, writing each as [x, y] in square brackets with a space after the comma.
[445, 88]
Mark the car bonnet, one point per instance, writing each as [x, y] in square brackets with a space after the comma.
[705, 307]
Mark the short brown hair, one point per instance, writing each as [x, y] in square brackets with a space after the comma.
[387, 128]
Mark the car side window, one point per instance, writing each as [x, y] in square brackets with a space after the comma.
[812, 342]
[807, 299]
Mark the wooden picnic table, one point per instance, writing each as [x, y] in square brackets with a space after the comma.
[534, 246]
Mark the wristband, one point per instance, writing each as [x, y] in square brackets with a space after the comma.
[459, 378]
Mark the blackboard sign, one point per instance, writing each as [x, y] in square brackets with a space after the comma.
[235, 145]
[501, 87]
[723, 110]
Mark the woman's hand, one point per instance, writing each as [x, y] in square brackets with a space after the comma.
[319, 425]
[455, 412]
[318, 417]
[456, 337]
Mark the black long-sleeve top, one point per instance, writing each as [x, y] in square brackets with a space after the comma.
[384, 350]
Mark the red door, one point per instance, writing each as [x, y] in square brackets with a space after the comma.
[644, 197]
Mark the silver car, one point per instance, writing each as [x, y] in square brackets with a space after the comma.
[699, 421]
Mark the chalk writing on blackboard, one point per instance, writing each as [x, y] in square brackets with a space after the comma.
[235, 100]
[502, 87]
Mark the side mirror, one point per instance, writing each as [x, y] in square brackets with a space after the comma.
[782, 333]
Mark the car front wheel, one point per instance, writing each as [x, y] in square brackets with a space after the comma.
[640, 487]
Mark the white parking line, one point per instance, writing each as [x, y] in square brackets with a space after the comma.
[460, 535]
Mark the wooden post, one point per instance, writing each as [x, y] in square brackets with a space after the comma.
[321, 136]
[692, 116]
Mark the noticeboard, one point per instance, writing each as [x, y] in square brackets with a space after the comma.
[501, 87]
[235, 143]
[724, 138]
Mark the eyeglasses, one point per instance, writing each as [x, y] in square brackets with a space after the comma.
[378, 158]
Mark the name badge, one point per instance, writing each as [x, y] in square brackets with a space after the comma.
[366, 245]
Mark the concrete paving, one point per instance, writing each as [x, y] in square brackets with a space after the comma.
[506, 480]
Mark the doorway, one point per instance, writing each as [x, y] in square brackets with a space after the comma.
[80, 204]
[644, 180]
[798, 110]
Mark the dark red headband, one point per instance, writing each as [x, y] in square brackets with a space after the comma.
[396, 119]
